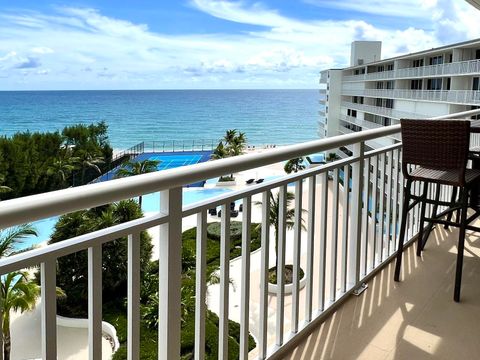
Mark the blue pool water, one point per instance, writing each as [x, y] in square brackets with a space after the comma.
[150, 203]
[168, 160]
[316, 158]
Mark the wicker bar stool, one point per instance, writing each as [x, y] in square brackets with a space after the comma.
[438, 150]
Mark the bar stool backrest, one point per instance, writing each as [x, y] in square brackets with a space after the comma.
[436, 144]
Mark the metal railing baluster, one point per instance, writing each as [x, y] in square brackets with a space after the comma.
[265, 250]
[245, 285]
[297, 243]
[224, 282]
[95, 302]
[200, 284]
[133, 297]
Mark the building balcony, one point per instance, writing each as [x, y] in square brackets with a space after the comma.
[470, 67]
[345, 243]
[464, 97]
[383, 111]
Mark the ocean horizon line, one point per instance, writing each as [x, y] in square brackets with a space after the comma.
[196, 89]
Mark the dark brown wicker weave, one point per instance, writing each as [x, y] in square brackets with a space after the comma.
[437, 151]
[439, 147]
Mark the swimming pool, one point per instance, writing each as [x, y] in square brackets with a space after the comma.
[167, 161]
[150, 203]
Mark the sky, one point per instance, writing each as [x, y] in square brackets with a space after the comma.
[210, 44]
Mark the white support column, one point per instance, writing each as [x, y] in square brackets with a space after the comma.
[355, 242]
[170, 276]
[48, 274]
[95, 302]
[133, 294]
[200, 285]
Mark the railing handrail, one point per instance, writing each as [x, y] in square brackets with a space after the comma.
[34, 207]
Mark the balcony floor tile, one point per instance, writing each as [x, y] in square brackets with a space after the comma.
[414, 319]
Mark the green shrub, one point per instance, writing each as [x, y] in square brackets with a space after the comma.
[213, 230]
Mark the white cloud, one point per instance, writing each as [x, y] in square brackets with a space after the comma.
[42, 50]
[396, 8]
[92, 50]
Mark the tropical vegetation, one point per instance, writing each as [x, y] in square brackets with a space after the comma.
[18, 292]
[294, 165]
[274, 218]
[72, 277]
[132, 168]
[33, 163]
[233, 144]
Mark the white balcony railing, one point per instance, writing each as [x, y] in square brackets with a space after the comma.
[349, 236]
[456, 68]
[468, 97]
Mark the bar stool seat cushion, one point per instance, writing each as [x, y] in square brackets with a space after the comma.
[446, 177]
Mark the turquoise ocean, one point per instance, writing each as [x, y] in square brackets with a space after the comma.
[266, 116]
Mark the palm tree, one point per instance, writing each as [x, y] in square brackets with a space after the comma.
[62, 168]
[237, 145]
[229, 136]
[232, 144]
[220, 152]
[294, 165]
[9, 238]
[90, 160]
[274, 216]
[332, 157]
[17, 293]
[132, 168]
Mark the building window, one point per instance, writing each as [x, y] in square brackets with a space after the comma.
[449, 82]
[355, 100]
[389, 84]
[380, 68]
[436, 60]
[434, 84]
[476, 84]
[361, 99]
[357, 72]
[390, 67]
[418, 63]
[386, 121]
[363, 71]
[389, 103]
[379, 85]
[450, 58]
[477, 54]
[378, 102]
[416, 84]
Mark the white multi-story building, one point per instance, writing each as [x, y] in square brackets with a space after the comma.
[373, 93]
